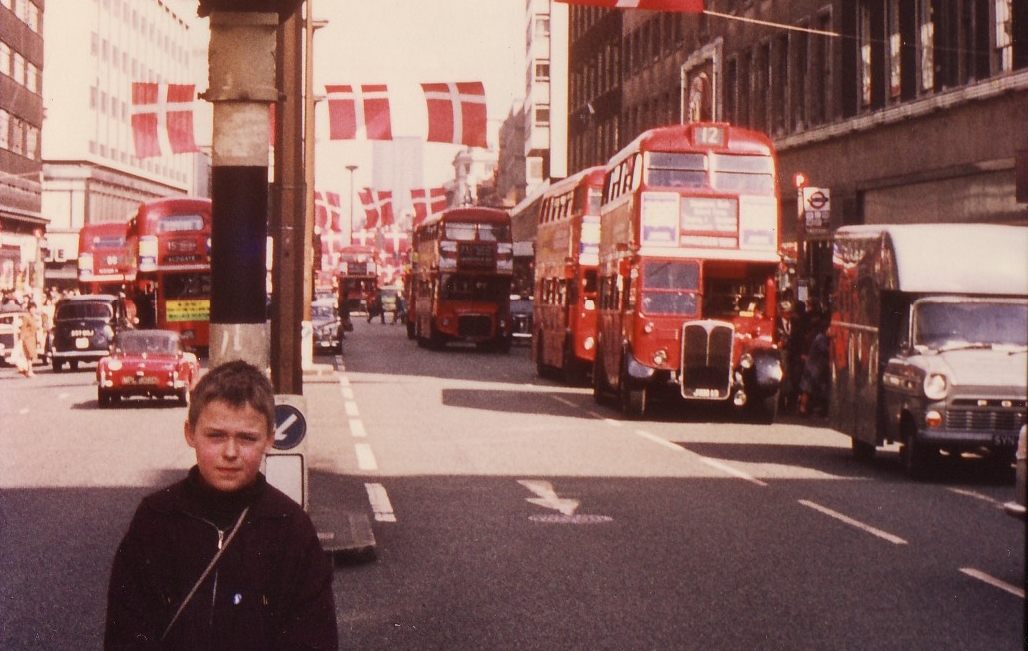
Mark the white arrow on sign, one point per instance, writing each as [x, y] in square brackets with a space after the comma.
[547, 497]
[280, 431]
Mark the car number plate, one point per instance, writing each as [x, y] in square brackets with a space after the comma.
[1005, 439]
[140, 380]
[81, 342]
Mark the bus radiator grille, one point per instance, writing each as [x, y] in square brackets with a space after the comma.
[706, 360]
[475, 326]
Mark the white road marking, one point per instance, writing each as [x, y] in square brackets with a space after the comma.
[723, 467]
[357, 428]
[347, 393]
[993, 581]
[547, 498]
[896, 540]
[351, 408]
[564, 401]
[365, 457]
[23, 411]
[380, 504]
[976, 495]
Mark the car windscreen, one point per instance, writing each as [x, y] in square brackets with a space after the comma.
[138, 343]
[84, 310]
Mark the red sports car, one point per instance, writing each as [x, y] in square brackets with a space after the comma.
[150, 363]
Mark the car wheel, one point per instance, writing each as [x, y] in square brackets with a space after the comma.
[73, 365]
[183, 397]
[103, 399]
[56, 364]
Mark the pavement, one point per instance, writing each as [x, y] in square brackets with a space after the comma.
[340, 515]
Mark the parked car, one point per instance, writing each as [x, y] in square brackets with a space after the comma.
[84, 328]
[326, 325]
[9, 322]
[521, 317]
[1016, 507]
[148, 363]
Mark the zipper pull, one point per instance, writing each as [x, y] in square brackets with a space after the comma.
[221, 538]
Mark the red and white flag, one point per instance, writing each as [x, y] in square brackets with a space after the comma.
[378, 207]
[456, 113]
[327, 212]
[359, 112]
[393, 241]
[683, 6]
[362, 237]
[162, 119]
[427, 202]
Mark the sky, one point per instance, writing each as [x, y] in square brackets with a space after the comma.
[403, 43]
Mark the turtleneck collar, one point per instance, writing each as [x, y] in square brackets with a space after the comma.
[219, 507]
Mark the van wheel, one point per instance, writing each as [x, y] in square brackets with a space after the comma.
[915, 456]
[73, 365]
[56, 364]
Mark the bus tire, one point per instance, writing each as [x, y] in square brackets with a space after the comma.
[601, 390]
[56, 364]
[574, 374]
[632, 401]
[863, 451]
[410, 329]
[765, 410]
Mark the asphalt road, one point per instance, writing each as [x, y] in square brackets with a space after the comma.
[511, 512]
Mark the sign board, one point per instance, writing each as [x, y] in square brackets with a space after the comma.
[285, 465]
[290, 427]
[816, 204]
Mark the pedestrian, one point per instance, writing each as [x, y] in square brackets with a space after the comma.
[814, 379]
[222, 559]
[28, 333]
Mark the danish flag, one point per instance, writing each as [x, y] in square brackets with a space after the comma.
[683, 6]
[456, 113]
[162, 119]
[378, 207]
[327, 212]
[393, 241]
[359, 113]
[427, 202]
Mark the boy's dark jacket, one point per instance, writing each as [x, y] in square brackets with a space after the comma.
[271, 589]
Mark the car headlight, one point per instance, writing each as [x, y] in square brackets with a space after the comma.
[114, 365]
[935, 386]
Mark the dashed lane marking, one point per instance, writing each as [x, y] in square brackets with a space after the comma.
[993, 581]
[351, 408]
[365, 457]
[380, 504]
[357, 428]
[884, 535]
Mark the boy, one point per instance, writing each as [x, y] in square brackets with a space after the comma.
[222, 560]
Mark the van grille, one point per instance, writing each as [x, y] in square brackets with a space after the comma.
[989, 416]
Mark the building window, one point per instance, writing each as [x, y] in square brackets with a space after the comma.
[1004, 36]
[927, 45]
[542, 71]
[5, 129]
[865, 71]
[894, 45]
[542, 115]
[5, 59]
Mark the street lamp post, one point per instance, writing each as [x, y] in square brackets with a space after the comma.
[351, 169]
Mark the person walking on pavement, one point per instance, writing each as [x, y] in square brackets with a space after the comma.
[28, 334]
[222, 559]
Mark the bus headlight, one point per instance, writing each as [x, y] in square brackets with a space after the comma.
[649, 327]
[660, 357]
[935, 386]
[588, 343]
[746, 361]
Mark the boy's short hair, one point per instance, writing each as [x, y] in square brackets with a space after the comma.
[238, 383]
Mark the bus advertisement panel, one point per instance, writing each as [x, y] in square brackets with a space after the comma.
[689, 238]
[172, 238]
[566, 254]
[107, 264]
[462, 264]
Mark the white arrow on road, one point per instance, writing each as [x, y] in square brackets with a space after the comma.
[547, 497]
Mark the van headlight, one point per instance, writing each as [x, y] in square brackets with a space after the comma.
[935, 386]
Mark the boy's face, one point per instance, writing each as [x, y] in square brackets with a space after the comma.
[230, 443]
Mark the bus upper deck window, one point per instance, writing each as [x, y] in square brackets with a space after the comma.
[676, 170]
[460, 232]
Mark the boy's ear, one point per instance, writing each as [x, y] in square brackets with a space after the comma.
[190, 435]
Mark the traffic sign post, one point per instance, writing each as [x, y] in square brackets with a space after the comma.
[285, 465]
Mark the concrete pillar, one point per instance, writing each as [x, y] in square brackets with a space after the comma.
[242, 61]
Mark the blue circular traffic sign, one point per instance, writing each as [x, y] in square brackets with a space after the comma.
[290, 427]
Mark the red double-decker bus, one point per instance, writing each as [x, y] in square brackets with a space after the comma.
[689, 239]
[172, 239]
[566, 255]
[107, 264]
[462, 264]
[357, 276]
